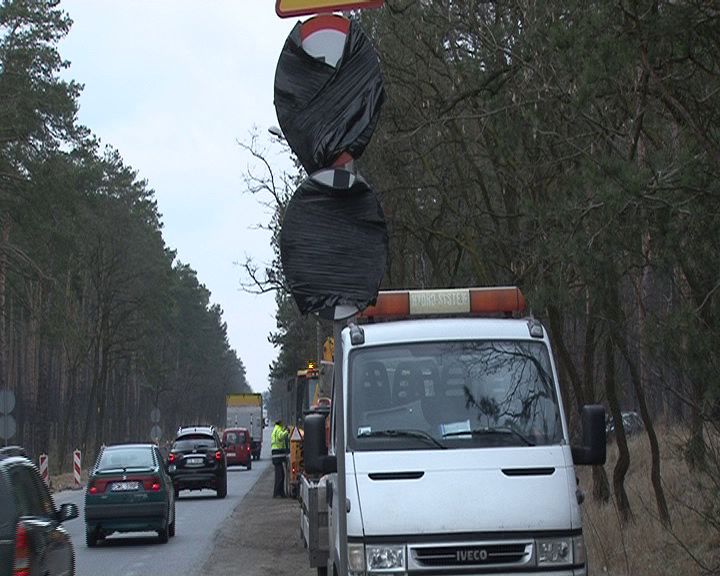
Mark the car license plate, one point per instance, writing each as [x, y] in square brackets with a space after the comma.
[124, 486]
[194, 461]
[231, 453]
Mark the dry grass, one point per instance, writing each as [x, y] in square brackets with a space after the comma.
[645, 547]
[60, 482]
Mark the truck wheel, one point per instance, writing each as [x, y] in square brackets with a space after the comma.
[322, 571]
[249, 466]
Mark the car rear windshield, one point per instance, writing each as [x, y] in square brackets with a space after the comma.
[126, 457]
[235, 438]
[194, 441]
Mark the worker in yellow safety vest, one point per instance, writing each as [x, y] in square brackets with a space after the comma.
[278, 445]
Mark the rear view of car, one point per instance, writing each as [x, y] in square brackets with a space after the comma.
[129, 490]
[197, 461]
[32, 540]
[238, 447]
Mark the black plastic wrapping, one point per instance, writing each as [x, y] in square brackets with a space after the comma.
[333, 246]
[325, 111]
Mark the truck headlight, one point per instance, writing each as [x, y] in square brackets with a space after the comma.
[375, 559]
[385, 558]
[555, 551]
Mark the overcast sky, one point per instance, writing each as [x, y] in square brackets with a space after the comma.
[173, 85]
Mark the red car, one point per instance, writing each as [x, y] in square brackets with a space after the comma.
[238, 447]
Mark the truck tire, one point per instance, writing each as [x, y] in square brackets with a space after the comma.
[249, 465]
[322, 571]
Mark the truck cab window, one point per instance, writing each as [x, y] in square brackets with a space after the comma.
[467, 393]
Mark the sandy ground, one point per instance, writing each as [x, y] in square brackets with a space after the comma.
[260, 538]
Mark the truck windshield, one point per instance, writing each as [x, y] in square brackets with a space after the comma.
[460, 394]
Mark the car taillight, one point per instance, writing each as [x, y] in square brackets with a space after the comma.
[92, 487]
[218, 455]
[171, 457]
[21, 567]
[151, 484]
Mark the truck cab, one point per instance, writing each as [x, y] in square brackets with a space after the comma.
[450, 448]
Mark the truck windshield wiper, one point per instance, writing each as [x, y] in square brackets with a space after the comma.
[403, 433]
[490, 431]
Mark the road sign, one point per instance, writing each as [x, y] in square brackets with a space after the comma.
[7, 426]
[328, 91]
[289, 8]
[340, 206]
[7, 401]
[155, 433]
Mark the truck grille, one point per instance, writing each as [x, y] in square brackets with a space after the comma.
[466, 554]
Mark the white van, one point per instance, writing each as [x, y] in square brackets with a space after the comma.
[450, 448]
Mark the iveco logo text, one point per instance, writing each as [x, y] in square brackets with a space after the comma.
[478, 555]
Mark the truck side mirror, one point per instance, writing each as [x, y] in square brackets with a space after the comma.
[593, 450]
[315, 450]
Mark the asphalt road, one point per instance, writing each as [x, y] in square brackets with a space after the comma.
[200, 515]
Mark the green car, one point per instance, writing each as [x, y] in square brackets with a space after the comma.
[128, 490]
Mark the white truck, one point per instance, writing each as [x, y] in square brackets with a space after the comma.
[246, 411]
[449, 447]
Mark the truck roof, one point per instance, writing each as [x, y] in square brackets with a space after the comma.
[437, 329]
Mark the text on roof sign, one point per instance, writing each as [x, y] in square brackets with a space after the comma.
[440, 301]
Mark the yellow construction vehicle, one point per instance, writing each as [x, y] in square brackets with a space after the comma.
[310, 394]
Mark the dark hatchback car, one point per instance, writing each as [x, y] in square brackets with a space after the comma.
[197, 460]
[32, 540]
[129, 490]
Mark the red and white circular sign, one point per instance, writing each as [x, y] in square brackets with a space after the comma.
[323, 37]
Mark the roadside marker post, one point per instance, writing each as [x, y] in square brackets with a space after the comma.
[43, 462]
[76, 468]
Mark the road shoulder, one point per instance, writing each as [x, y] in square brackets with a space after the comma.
[260, 538]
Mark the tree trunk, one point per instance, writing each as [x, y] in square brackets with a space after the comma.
[654, 447]
[5, 235]
[623, 462]
[601, 486]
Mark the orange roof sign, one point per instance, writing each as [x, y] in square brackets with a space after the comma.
[288, 8]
